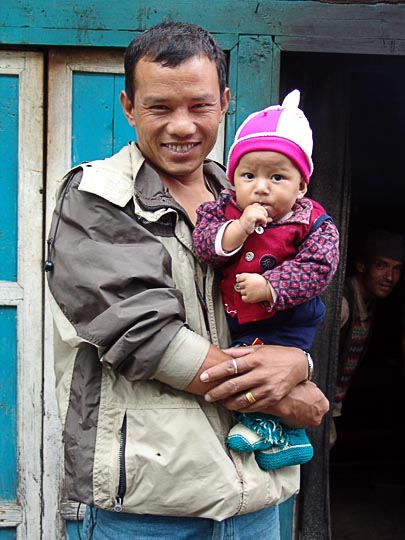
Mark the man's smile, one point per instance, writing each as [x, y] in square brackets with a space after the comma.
[180, 148]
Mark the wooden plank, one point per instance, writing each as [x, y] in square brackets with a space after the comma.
[278, 17]
[11, 293]
[353, 45]
[255, 70]
[102, 24]
[22, 373]
[10, 515]
[8, 404]
[9, 173]
[230, 123]
[113, 130]
[30, 250]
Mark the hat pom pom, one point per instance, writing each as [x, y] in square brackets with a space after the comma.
[291, 100]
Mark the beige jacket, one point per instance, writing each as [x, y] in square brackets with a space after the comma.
[130, 336]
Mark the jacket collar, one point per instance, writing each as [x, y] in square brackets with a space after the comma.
[114, 179]
[127, 173]
[152, 193]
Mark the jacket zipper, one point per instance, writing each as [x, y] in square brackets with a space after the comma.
[122, 484]
[204, 307]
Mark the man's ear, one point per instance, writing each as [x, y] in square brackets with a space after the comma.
[226, 96]
[303, 188]
[128, 108]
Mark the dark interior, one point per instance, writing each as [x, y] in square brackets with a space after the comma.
[367, 480]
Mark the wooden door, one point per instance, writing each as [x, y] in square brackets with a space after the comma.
[21, 357]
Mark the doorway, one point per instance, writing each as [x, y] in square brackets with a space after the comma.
[366, 471]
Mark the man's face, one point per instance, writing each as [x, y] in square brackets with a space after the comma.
[378, 277]
[176, 113]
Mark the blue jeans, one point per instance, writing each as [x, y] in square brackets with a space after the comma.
[104, 525]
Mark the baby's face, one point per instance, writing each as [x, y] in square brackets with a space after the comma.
[270, 179]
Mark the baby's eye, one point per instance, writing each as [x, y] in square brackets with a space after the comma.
[277, 177]
[248, 175]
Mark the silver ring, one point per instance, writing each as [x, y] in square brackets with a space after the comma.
[235, 366]
[237, 287]
[250, 397]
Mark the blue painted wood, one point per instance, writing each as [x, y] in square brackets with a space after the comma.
[8, 534]
[102, 23]
[8, 176]
[99, 127]
[8, 403]
[72, 531]
[230, 123]
[255, 58]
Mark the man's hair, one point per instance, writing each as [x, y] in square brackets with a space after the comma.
[170, 44]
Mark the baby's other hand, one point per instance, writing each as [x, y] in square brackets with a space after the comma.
[253, 288]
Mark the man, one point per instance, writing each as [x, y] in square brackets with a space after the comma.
[378, 269]
[146, 394]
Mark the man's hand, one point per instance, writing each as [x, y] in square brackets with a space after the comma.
[270, 379]
[303, 407]
[269, 372]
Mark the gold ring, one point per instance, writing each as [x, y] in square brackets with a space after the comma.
[250, 397]
[235, 366]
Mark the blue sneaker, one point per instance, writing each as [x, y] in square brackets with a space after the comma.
[295, 449]
[255, 431]
[243, 439]
[274, 444]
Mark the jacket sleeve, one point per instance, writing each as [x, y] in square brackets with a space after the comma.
[111, 280]
[310, 272]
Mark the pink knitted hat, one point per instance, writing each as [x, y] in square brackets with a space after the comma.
[283, 129]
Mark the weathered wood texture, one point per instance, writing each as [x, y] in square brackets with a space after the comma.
[21, 292]
[105, 23]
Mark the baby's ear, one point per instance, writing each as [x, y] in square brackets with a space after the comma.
[303, 188]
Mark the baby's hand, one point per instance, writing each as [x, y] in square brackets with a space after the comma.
[253, 215]
[253, 288]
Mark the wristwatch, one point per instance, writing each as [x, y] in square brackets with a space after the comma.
[310, 366]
